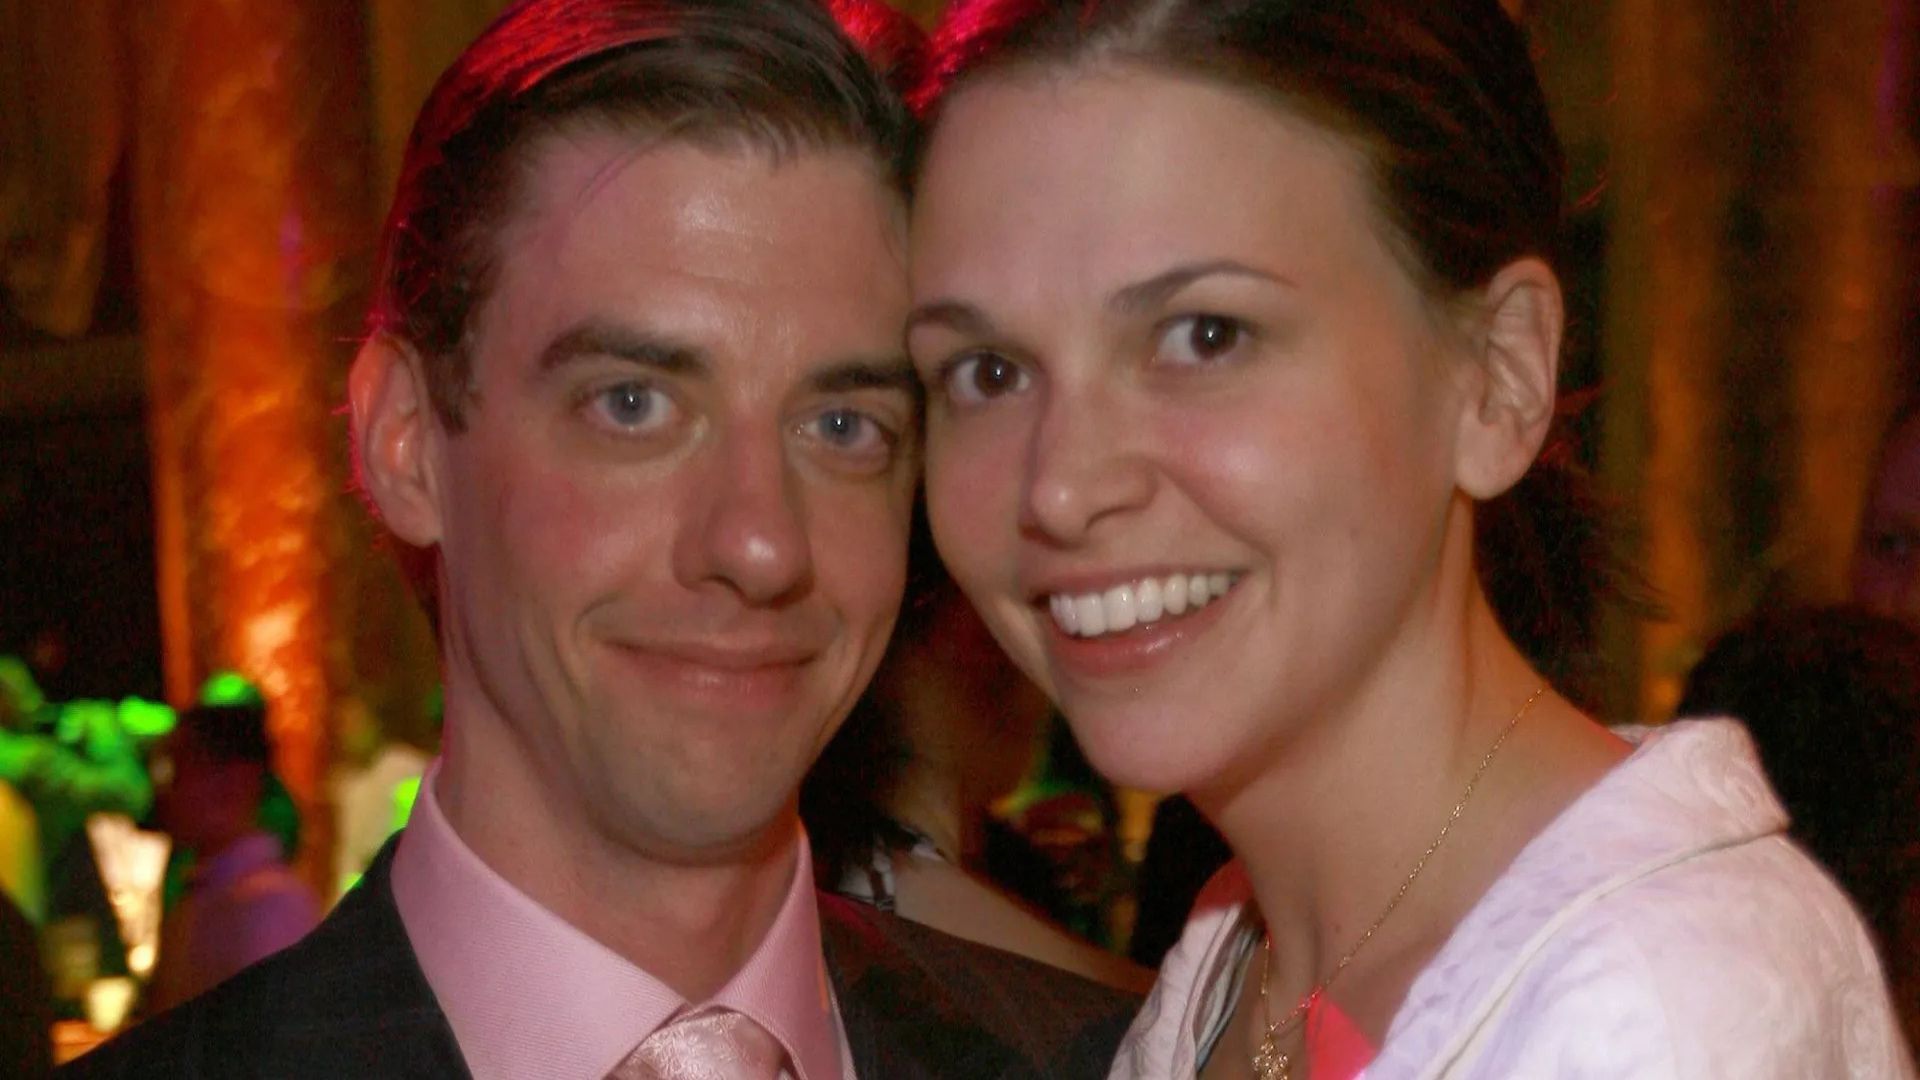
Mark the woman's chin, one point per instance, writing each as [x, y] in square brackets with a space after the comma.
[1148, 753]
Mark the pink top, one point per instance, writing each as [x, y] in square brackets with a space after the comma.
[528, 995]
[241, 906]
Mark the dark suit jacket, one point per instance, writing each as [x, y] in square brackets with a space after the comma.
[351, 1000]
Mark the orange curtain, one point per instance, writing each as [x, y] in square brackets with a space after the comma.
[1749, 352]
[61, 136]
[251, 205]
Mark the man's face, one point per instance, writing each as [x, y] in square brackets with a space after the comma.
[200, 799]
[673, 533]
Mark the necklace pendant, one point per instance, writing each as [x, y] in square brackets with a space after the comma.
[1270, 1062]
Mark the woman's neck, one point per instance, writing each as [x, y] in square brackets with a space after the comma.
[1340, 819]
[1340, 813]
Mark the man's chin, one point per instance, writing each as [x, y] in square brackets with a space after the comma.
[709, 829]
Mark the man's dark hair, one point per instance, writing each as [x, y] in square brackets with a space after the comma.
[779, 75]
[229, 732]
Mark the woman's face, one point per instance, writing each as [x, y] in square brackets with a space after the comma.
[1192, 426]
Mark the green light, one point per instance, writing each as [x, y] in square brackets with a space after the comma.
[145, 719]
[18, 692]
[404, 794]
[229, 688]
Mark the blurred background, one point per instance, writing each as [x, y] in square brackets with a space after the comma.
[189, 191]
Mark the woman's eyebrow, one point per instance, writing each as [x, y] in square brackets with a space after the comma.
[1154, 292]
[955, 315]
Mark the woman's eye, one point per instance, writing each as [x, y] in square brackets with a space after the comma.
[1196, 340]
[982, 377]
[631, 407]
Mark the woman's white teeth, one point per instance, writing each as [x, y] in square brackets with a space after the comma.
[1125, 606]
[1150, 599]
[1090, 615]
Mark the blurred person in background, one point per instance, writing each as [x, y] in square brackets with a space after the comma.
[898, 806]
[1831, 697]
[1886, 566]
[241, 901]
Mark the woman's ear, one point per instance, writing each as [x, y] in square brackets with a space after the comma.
[1510, 406]
[396, 438]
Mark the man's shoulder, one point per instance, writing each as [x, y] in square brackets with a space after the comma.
[962, 1009]
[348, 999]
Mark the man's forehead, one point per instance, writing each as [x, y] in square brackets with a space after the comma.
[578, 168]
[672, 250]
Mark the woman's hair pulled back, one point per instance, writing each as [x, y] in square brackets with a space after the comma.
[1442, 100]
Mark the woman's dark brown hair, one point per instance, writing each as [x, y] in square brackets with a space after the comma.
[1441, 98]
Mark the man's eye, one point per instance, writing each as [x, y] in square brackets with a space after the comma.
[852, 438]
[1195, 340]
[631, 406]
[850, 429]
[981, 377]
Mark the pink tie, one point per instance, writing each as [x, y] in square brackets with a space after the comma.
[718, 1044]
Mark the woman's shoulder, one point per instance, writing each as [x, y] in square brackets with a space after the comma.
[1744, 960]
[1662, 926]
[1757, 917]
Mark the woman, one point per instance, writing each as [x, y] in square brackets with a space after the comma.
[1233, 315]
[897, 806]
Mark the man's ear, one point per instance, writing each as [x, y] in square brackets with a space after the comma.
[1510, 407]
[396, 438]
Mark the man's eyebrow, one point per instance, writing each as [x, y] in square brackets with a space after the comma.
[893, 372]
[960, 317]
[622, 343]
[1155, 291]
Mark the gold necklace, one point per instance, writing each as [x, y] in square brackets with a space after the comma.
[1270, 1062]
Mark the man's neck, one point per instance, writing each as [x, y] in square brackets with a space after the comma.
[690, 924]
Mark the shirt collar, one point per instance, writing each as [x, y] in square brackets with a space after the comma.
[529, 995]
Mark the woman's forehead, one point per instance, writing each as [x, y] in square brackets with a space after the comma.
[1125, 170]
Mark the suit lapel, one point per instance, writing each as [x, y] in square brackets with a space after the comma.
[386, 1021]
[902, 1021]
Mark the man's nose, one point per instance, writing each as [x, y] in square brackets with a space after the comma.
[1084, 466]
[746, 529]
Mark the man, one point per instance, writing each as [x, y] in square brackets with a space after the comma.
[242, 902]
[636, 381]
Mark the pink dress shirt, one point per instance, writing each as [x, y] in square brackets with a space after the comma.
[529, 996]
